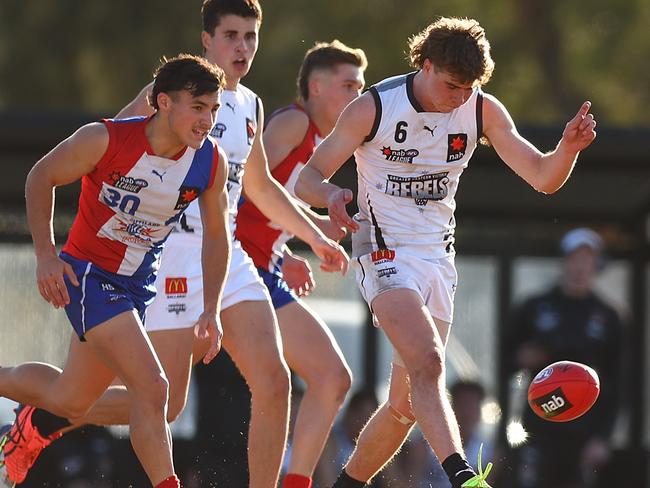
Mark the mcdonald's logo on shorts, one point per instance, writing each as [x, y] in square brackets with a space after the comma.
[176, 286]
[382, 255]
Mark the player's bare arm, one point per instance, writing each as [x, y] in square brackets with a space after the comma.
[276, 203]
[215, 256]
[283, 133]
[139, 105]
[68, 162]
[353, 126]
[544, 172]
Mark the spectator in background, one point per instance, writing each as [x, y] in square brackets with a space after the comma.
[570, 322]
[417, 467]
[344, 433]
[467, 400]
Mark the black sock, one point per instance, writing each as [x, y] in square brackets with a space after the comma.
[345, 481]
[47, 423]
[458, 470]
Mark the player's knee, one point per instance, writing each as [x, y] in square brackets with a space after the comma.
[153, 394]
[428, 366]
[275, 383]
[335, 383]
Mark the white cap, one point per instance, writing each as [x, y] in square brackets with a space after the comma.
[582, 236]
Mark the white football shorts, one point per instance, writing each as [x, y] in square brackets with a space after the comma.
[433, 279]
[179, 301]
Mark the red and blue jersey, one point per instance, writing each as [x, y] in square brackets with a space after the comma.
[130, 202]
[262, 240]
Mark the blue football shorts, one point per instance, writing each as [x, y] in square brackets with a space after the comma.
[102, 295]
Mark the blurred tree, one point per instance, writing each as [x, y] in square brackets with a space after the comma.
[95, 56]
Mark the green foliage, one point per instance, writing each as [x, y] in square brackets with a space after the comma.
[550, 55]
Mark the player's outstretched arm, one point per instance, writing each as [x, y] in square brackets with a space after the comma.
[139, 105]
[276, 203]
[544, 172]
[69, 161]
[215, 256]
[353, 126]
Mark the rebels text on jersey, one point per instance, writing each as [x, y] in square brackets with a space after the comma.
[409, 168]
[263, 240]
[130, 202]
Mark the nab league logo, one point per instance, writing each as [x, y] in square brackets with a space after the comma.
[543, 375]
[456, 146]
[399, 155]
[127, 183]
[218, 130]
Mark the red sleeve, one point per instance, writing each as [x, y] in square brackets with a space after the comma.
[215, 164]
[112, 143]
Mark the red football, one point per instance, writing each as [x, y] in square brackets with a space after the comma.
[563, 391]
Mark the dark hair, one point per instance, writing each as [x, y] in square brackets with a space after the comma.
[456, 45]
[467, 385]
[213, 10]
[327, 55]
[186, 72]
[360, 397]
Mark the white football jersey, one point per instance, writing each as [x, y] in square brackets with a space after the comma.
[409, 168]
[235, 131]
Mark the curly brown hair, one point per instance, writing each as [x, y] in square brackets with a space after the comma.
[456, 45]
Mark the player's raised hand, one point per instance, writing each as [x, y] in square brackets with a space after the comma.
[209, 326]
[580, 131]
[338, 214]
[297, 274]
[332, 256]
[50, 273]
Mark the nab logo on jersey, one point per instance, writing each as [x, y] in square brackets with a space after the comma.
[250, 131]
[127, 183]
[456, 146]
[187, 194]
[553, 403]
